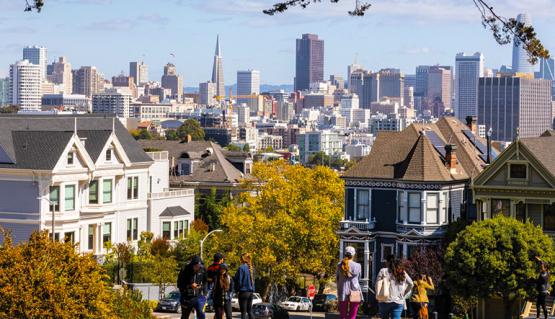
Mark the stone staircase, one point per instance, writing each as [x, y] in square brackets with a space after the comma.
[529, 310]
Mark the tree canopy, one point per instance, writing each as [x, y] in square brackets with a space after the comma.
[497, 258]
[289, 227]
[191, 127]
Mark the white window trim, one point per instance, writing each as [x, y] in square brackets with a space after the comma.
[75, 197]
[74, 158]
[101, 188]
[133, 198]
[369, 215]
[409, 207]
[514, 179]
[126, 223]
[382, 246]
[437, 209]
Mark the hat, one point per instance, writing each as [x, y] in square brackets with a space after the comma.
[218, 257]
[196, 260]
[350, 251]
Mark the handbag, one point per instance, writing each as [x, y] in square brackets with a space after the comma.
[382, 289]
[355, 296]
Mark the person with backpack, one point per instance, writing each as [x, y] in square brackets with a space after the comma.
[244, 286]
[347, 278]
[191, 283]
[419, 300]
[393, 286]
[543, 287]
[213, 271]
[222, 292]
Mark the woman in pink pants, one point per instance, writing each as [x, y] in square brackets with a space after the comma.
[348, 287]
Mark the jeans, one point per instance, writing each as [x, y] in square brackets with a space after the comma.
[245, 304]
[348, 310]
[221, 309]
[540, 304]
[390, 310]
[197, 303]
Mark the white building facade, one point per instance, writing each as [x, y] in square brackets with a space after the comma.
[25, 85]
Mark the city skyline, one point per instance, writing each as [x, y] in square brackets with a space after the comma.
[121, 33]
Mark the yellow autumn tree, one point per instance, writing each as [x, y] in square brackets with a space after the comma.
[288, 222]
[43, 279]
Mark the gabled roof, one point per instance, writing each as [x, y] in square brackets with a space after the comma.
[174, 211]
[209, 161]
[36, 141]
[543, 149]
[410, 155]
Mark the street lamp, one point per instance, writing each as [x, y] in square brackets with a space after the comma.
[53, 204]
[488, 135]
[205, 237]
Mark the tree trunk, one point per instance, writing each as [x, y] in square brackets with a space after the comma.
[266, 293]
[508, 306]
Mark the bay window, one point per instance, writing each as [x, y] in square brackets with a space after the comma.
[106, 233]
[54, 204]
[107, 191]
[166, 232]
[432, 207]
[414, 207]
[363, 204]
[93, 192]
[69, 197]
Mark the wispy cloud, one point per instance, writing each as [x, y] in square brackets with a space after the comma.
[125, 24]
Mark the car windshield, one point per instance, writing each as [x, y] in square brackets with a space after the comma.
[294, 299]
[173, 295]
[320, 298]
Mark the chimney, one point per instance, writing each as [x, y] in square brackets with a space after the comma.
[451, 158]
[471, 123]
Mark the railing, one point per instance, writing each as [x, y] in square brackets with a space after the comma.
[423, 229]
[172, 194]
[360, 225]
[158, 156]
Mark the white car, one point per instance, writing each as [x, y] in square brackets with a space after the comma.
[256, 299]
[297, 304]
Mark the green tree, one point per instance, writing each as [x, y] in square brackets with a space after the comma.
[321, 158]
[129, 304]
[171, 135]
[246, 148]
[233, 148]
[45, 279]
[9, 109]
[289, 226]
[210, 208]
[191, 127]
[496, 258]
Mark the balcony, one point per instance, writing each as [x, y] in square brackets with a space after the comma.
[360, 225]
[425, 230]
[172, 193]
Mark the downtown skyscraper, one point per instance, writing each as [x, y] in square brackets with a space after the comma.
[248, 83]
[218, 70]
[139, 72]
[37, 55]
[173, 81]
[25, 85]
[309, 66]
[468, 70]
[520, 56]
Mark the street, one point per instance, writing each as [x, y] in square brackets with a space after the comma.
[292, 315]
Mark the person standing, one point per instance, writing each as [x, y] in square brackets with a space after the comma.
[244, 286]
[542, 288]
[213, 271]
[222, 292]
[419, 299]
[347, 278]
[399, 285]
[191, 283]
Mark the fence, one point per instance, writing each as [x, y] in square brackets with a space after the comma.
[150, 291]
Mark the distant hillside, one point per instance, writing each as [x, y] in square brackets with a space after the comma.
[263, 88]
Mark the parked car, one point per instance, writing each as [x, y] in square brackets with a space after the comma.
[269, 311]
[297, 304]
[324, 302]
[170, 303]
[256, 299]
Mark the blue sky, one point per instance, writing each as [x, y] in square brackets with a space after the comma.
[395, 33]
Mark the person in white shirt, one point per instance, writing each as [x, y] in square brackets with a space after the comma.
[399, 286]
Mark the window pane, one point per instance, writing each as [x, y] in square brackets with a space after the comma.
[521, 212]
[106, 233]
[135, 228]
[70, 157]
[108, 155]
[90, 245]
[500, 206]
[54, 198]
[129, 188]
[136, 187]
[414, 200]
[107, 191]
[166, 230]
[431, 211]
[414, 207]
[175, 230]
[549, 217]
[186, 228]
[129, 230]
[69, 237]
[70, 197]
[362, 204]
[93, 192]
[517, 170]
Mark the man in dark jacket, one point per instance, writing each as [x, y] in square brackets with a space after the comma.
[191, 283]
[213, 270]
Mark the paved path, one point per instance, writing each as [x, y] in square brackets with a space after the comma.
[292, 315]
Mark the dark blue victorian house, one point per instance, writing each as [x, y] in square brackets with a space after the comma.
[408, 189]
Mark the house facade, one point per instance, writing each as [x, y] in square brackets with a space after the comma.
[403, 195]
[86, 180]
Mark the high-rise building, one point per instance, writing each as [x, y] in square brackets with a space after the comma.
[371, 89]
[309, 61]
[439, 90]
[506, 103]
[126, 82]
[356, 82]
[61, 74]
[25, 85]
[350, 69]
[520, 56]
[4, 91]
[468, 69]
[171, 80]
[139, 72]
[248, 83]
[243, 115]
[421, 80]
[207, 92]
[37, 55]
[547, 72]
[338, 81]
[114, 101]
[391, 84]
[408, 90]
[86, 81]
[218, 70]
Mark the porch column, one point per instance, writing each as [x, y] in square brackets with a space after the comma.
[99, 238]
[367, 262]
